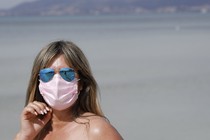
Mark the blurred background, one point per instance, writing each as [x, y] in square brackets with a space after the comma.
[150, 58]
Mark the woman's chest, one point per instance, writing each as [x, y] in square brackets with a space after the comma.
[78, 133]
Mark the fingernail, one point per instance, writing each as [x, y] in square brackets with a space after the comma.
[42, 112]
[35, 113]
[45, 111]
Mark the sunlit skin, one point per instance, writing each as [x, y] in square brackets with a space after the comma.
[63, 126]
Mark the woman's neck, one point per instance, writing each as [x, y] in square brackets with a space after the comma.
[61, 118]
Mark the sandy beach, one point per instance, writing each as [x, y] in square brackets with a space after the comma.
[154, 77]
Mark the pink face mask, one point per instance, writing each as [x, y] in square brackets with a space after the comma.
[58, 93]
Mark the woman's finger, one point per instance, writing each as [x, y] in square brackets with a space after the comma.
[36, 107]
[42, 106]
[29, 112]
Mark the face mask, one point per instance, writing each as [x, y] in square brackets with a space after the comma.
[58, 93]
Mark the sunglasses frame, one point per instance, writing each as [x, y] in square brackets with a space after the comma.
[47, 74]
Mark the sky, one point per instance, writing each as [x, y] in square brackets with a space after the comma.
[5, 4]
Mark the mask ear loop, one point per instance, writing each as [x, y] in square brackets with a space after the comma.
[80, 85]
[79, 81]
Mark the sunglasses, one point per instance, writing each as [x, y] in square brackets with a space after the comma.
[47, 74]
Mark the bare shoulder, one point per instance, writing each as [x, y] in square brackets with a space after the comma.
[100, 128]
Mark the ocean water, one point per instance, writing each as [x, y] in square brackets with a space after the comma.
[153, 70]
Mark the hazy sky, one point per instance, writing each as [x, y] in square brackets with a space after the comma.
[4, 4]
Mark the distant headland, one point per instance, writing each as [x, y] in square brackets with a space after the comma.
[105, 7]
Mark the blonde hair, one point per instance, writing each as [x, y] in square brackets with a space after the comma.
[87, 100]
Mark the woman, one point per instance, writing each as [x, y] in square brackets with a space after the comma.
[61, 100]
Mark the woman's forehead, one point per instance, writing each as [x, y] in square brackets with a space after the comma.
[59, 62]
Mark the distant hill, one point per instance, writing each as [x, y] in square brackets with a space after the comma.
[97, 7]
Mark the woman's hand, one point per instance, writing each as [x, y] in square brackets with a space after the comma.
[31, 122]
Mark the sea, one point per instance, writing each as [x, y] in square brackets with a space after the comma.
[153, 70]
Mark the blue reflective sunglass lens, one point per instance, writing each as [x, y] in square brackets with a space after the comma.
[67, 74]
[46, 74]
